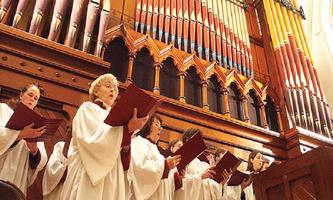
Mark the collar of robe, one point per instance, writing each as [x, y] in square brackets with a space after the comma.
[101, 104]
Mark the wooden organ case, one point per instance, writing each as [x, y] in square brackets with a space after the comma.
[307, 177]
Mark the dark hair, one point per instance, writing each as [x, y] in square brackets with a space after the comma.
[12, 102]
[249, 163]
[172, 144]
[189, 133]
[144, 132]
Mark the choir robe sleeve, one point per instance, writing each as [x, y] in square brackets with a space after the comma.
[196, 188]
[7, 136]
[99, 144]
[146, 168]
[42, 162]
[249, 193]
[55, 169]
[233, 192]
[192, 182]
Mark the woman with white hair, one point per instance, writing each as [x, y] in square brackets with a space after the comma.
[95, 168]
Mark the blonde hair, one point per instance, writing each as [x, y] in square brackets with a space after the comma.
[96, 84]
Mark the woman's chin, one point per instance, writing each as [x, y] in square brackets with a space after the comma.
[29, 105]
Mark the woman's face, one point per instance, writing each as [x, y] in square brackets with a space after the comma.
[176, 146]
[265, 166]
[257, 162]
[219, 157]
[107, 92]
[155, 130]
[30, 97]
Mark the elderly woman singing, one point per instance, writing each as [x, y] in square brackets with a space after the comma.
[95, 168]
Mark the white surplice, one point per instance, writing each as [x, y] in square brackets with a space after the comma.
[54, 170]
[14, 162]
[234, 192]
[195, 188]
[146, 170]
[95, 170]
[249, 193]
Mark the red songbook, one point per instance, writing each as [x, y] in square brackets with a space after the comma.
[237, 178]
[132, 98]
[227, 162]
[24, 116]
[203, 158]
[190, 150]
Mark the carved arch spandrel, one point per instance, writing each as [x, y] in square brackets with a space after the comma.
[120, 32]
[183, 60]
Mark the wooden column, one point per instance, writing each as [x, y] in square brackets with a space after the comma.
[279, 115]
[316, 124]
[225, 93]
[158, 67]
[263, 115]
[182, 87]
[245, 109]
[204, 95]
[131, 57]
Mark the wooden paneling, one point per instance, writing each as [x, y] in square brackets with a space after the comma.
[308, 177]
[252, 21]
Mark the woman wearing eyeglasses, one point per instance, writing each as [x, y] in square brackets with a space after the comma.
[151, 175]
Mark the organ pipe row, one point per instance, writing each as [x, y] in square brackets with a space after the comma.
[305, 99]
[214, 29]
[91, 8]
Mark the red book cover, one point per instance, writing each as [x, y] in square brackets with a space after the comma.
[203, 158]
[237, 178]
[227, 162]
[24, 116]
[132, 98]
[190, 150]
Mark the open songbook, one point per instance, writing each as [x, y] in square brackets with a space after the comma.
[190, 150]
[24, 116]
[238, 177]
[227, 162]
[132, 98]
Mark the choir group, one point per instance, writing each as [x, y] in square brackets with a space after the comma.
[98, 161]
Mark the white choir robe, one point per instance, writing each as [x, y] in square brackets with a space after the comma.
[95, 170]
[249, 193]
[146, 170]
[54, 170]
[195, 188]
[234, 192]
[14, 162]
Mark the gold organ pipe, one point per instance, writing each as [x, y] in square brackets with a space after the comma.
[281, 65]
